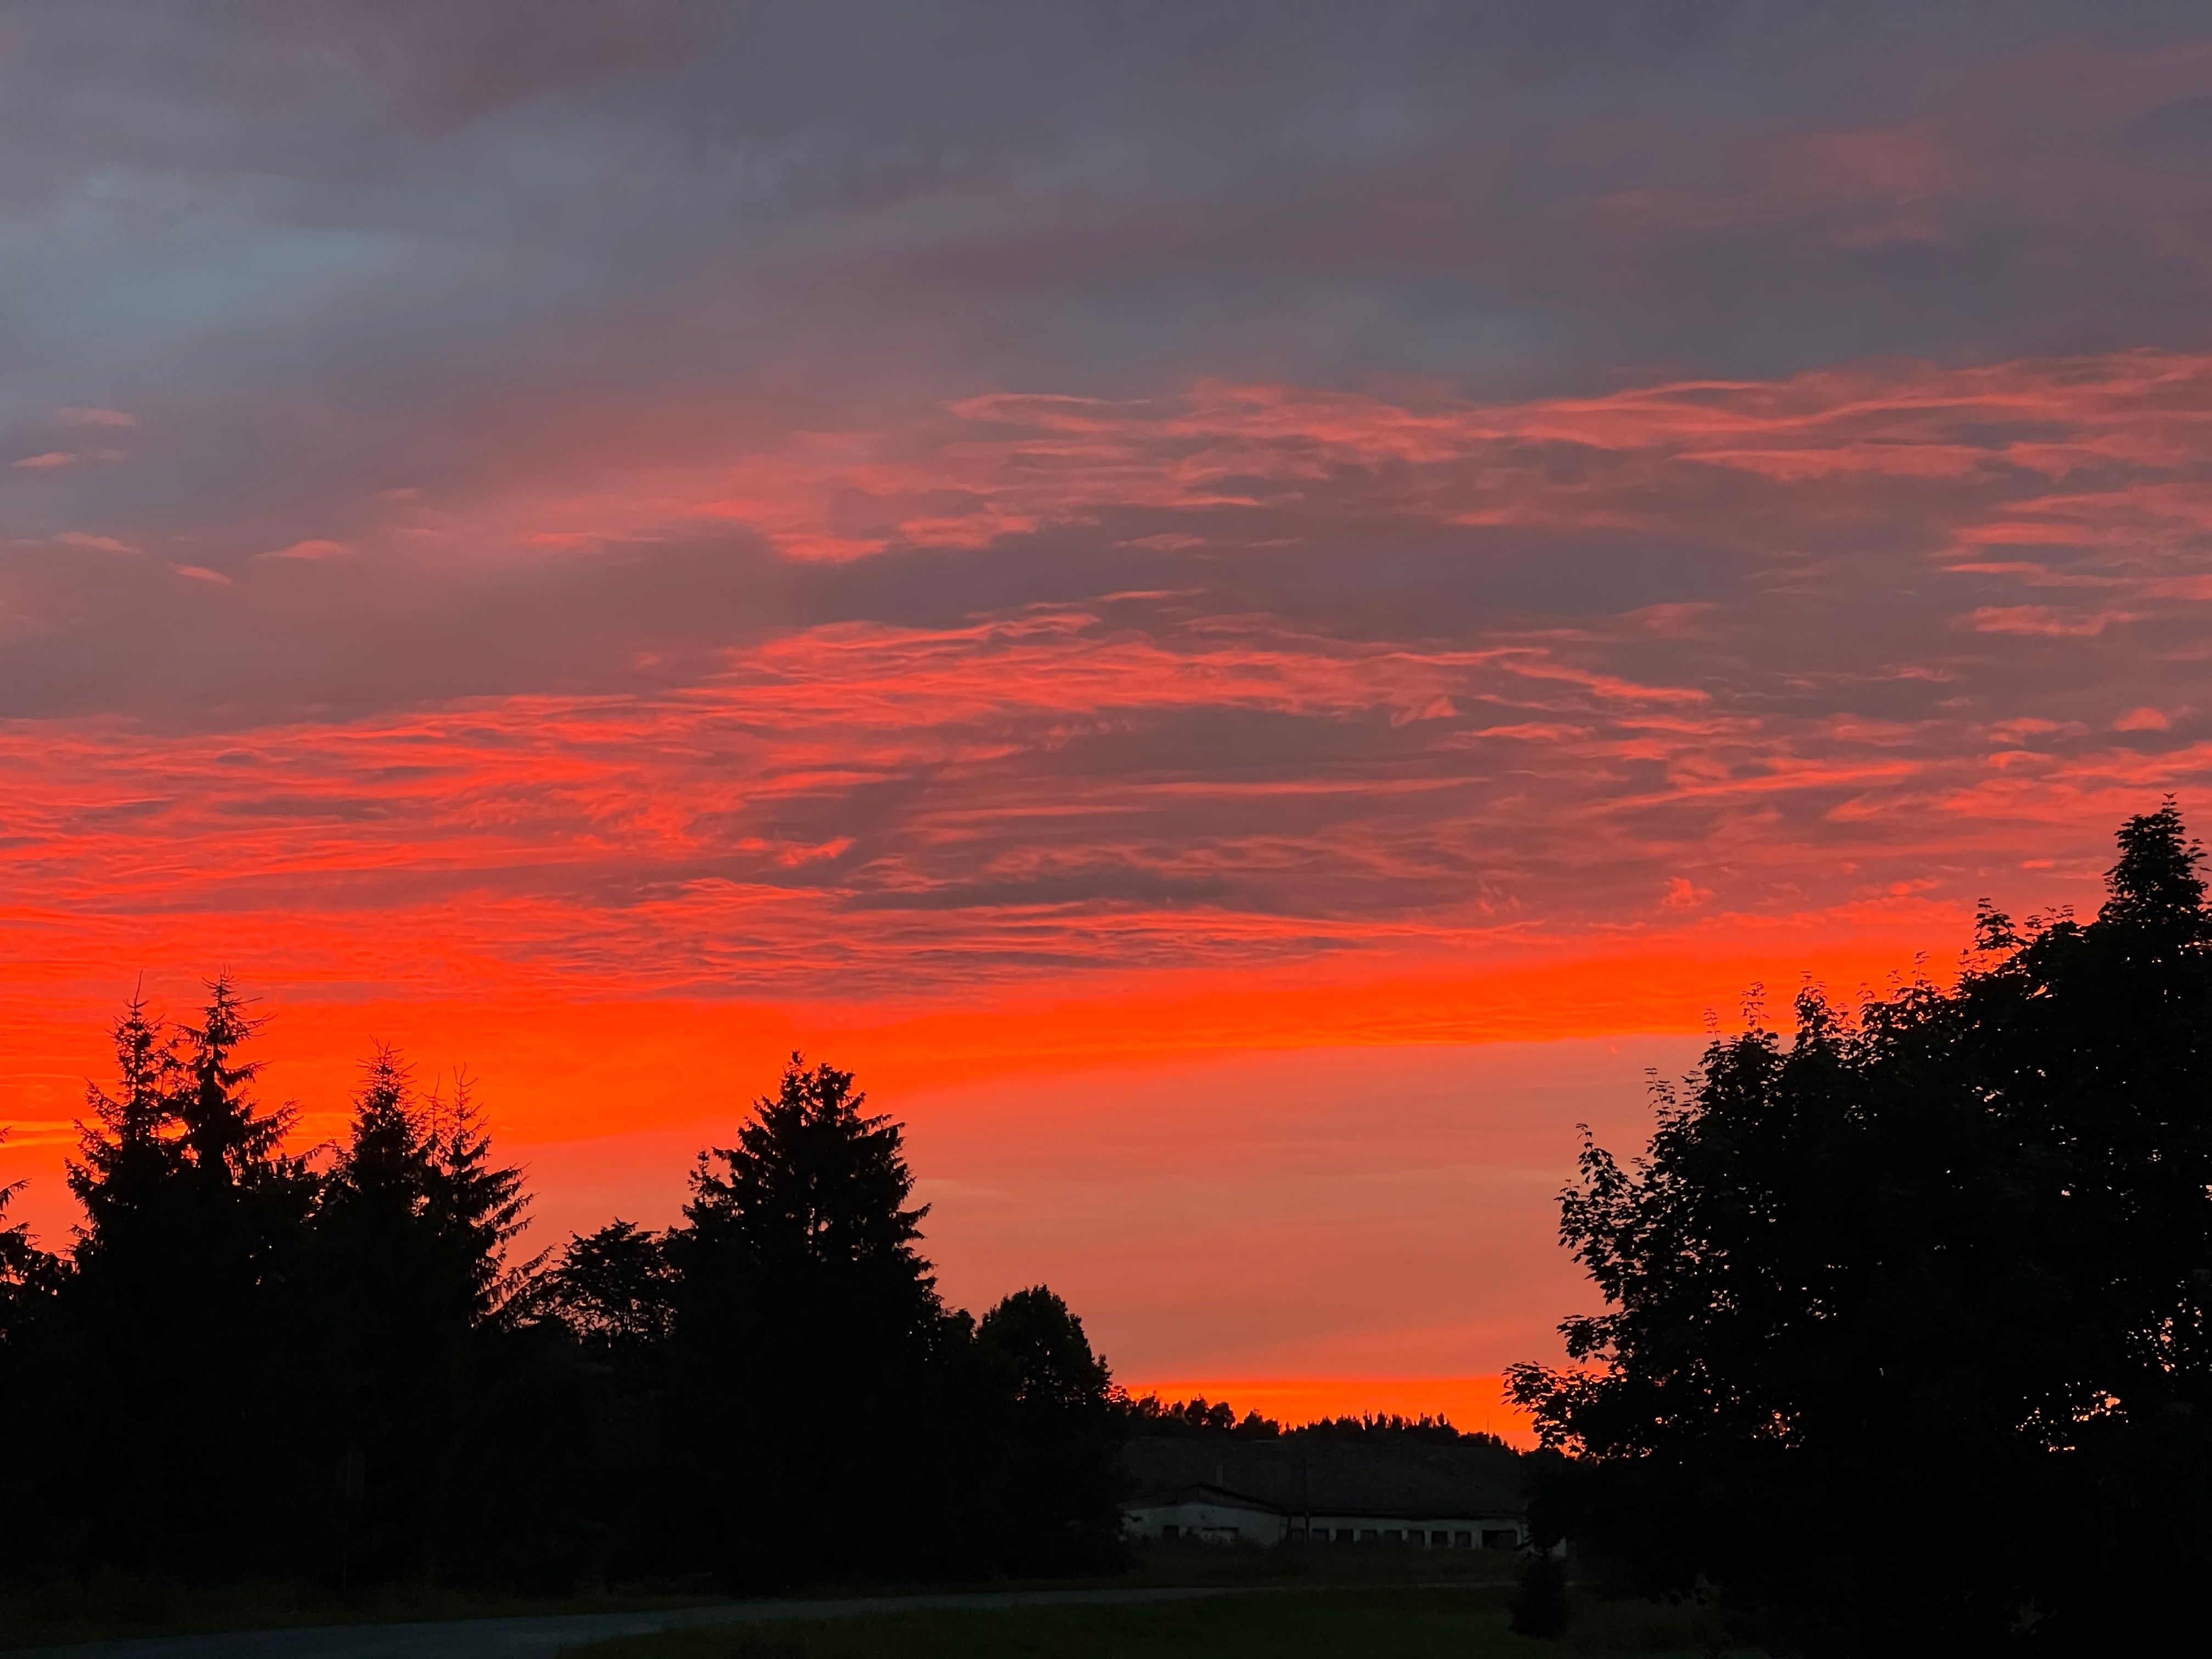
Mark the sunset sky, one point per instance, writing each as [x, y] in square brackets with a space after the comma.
[1251, 611]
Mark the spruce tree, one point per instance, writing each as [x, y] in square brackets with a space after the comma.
[477, 1205]
[228, 1139]
[817, 1190]
[30, 1280]
[28, 1273]
[806, 1324]
[508, 1494]
[130, 1150]
[410, 1251]
[186, 1300]
[132, 1306]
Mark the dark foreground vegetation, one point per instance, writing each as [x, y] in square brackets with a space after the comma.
[270, 1387]
[1907, 1348]
[325, 1369]
[1390, 1604]
[1909, 1339]
[1400, 1623]
[1280, 1602]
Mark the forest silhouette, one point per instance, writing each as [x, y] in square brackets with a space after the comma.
[328, 1366]
[1907, 1337]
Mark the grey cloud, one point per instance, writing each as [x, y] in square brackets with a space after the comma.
[2180, 131]
[323, 251]
[90, 632]
[406, 198]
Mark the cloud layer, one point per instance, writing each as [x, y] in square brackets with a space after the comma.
[1020, 535]
[1054, 685]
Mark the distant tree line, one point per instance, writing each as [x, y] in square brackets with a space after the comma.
[1150, 1415]
[256, 1361]
[1908, 1339]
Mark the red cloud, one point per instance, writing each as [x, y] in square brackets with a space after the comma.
[875, 805]
[1383, 721]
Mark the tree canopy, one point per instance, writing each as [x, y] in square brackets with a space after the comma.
[1906, 1313]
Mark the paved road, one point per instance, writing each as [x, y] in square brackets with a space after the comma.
[540, 1638]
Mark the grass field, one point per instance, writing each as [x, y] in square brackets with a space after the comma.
[119, 1604]
[1347, 1604]
[108, 1605]
[1373, 1621]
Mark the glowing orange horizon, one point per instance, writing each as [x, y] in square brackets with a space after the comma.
[1472, 1404]
[555, 1076]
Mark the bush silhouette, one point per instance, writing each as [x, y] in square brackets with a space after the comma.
[1537, 1606]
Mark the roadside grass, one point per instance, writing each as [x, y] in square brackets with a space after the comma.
[103, 1605]
[1291, 1602]
[110, 1604]
[1292, 1622]
[1196, 1565]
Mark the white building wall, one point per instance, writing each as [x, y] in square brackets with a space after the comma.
[1460, 1532]
[1214, 1522]
[1227, 1523]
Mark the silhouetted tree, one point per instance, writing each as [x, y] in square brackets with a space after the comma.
[1060, 1476]
[1049, 1368]
[130, 1152]
[28, 1275]
[183, 1310]
[614, 1289]
[278, 1366]
[1910, 1314]
[92, 1358]
[807, 1323]
[412, 1284]
[30, 1278]
[1150, 1415]
[227, 1136]
[1431, 1430]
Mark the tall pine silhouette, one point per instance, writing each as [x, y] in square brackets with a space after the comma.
[410, 1254]
[806, 1321]
[183, 1303]
[130, 1153]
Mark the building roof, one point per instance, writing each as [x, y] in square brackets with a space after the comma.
[1383, 1476]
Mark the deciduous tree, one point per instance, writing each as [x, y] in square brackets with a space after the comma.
[1908, 1324]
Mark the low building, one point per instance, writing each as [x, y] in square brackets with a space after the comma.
[1378, 1490]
